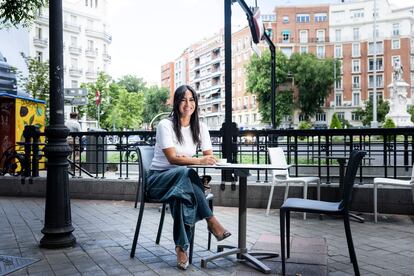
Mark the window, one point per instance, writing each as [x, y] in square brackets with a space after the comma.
[74, 84]
[338, 83]
[358, 13]
[245, 102]
[355, 82]
[287, 51]
[239, 103]
[341, 115]
[338, 35]
[338, 99]
[395, 60]
[89, 24]
[320, 51]
[303, 36]
[379, 82]
[254, 101]
[38, 33]
[321, 117]
[73, 41]
[269, 32]
[356, 100]
[73, 19]
[396, 29]
[356, 50]
[378, 66]
[74, 63]
[355, 32]
[86, 2]
[285, 36]
[338, 51]
[90, 45]
[320, 17]
[380, 48]
[303, 49]
[356, 66]
[355, 116]
[96, 3]
[302, 18]
[39, 56]
[285, 19]
[395, 44]
[379, 96]
[320, 35]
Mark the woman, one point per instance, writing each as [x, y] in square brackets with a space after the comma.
[169, 180]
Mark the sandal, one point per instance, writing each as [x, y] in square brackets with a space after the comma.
[221, 237]
[182, 265]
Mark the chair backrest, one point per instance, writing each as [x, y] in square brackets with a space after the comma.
[278, 158]
[412, 176]
[145, 156]
[354, 162]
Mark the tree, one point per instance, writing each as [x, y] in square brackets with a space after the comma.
[37, 82]
[335, 122]
[284, 105]
[366, 114]
[19, 12]
[155, 102]
[259, 83]
[389, 123]
[132, 83]
[126, 113]
[313, 77]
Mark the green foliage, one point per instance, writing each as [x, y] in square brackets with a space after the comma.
[284, 105]
[366, 114]
[304, 125]
[335, 122]
[155, 102]
[313, 77]
[132, 83]
[259, 83]
[411, 111]
[389, 123]
[126, 112]
[19, 12]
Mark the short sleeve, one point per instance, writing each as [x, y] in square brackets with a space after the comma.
[205, 138]
[165, 134]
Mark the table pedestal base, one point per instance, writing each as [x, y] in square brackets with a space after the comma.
[242, 254]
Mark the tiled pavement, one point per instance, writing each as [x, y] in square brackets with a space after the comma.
[104, 231]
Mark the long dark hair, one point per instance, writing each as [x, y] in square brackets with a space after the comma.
[176, 116]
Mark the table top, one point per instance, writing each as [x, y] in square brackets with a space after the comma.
[231, 166]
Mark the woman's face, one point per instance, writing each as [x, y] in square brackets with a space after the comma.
[187, 104]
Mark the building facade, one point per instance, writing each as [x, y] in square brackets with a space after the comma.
[167, 78]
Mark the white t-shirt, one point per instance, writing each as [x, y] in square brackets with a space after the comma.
[166, 138]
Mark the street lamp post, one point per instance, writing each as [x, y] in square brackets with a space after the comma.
[58, 227]
[374, 123]
[272, 49]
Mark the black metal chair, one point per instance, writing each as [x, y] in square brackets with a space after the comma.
[145, 155]
[340, 208]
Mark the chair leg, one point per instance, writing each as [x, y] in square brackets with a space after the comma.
[190, 254]
[269, 202]
[282, 239]
[210, 204]
[288, 233]
[305, 196]
[351, 249]
[286, 191]
[137, 228]
[136, 196]
[161, 224]
[375, 202]
[318, 189]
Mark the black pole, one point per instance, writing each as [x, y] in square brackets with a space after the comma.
[227, 130]
[58, 227]
[272, 49]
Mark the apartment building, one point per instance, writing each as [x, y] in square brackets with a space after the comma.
[206, 75]
[85, 36]
[167, 78]
[352, 34]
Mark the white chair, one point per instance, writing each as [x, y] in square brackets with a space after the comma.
[278, 158]
[391, 182]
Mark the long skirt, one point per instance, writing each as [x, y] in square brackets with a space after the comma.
[182, 189]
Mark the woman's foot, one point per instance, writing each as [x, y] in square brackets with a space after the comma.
[182, 258]
[215, 228]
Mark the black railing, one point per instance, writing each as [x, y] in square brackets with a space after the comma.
[390, 151]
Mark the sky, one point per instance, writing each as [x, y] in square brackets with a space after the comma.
[149, 33]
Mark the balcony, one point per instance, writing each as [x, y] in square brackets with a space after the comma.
[75, 50]
[40, 42]
[99, 34]
[91, 53]
[43, 20]
[75, 72]
[91, 74]
[106, 57]
[356, 85]
[71, 27]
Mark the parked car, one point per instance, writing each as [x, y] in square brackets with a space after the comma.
[8, 82]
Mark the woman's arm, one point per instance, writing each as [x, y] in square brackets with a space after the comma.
[173, 158]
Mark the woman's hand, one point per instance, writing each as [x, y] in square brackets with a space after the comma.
[208, 160]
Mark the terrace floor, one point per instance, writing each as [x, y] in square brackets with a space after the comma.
[104, 231]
